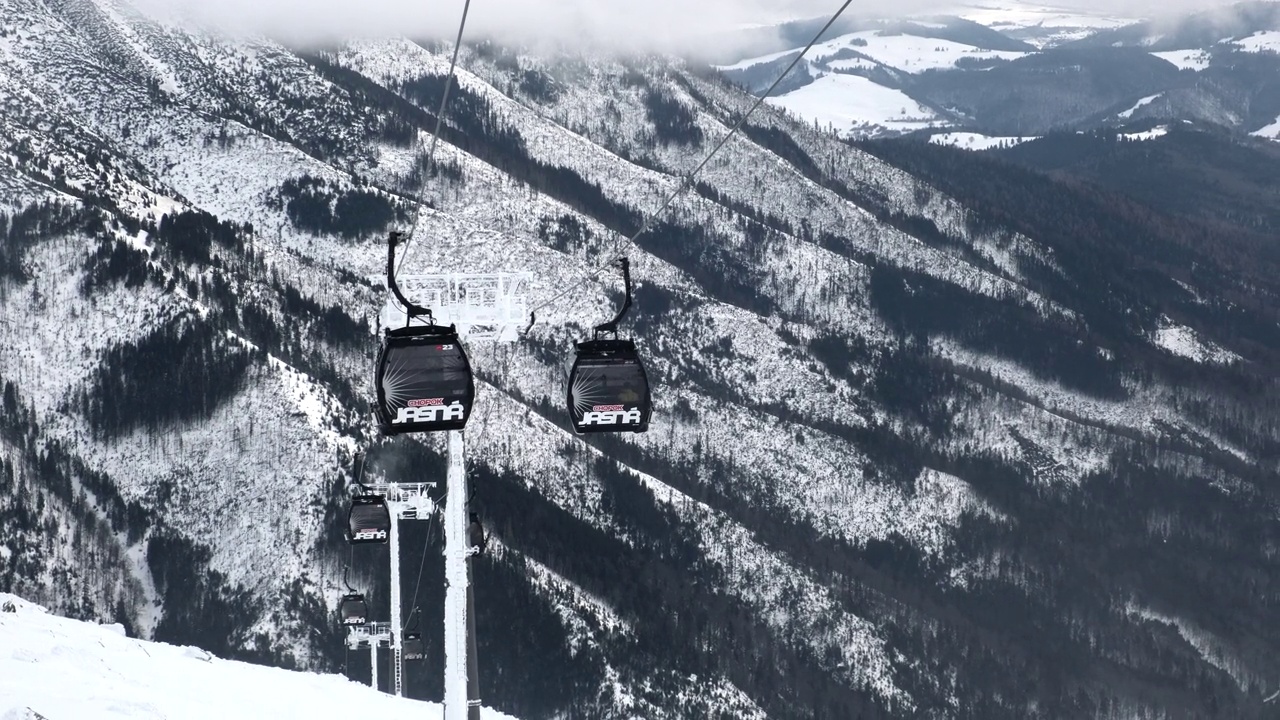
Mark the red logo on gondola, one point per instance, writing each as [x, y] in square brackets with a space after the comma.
[426, 403]
[606, 408]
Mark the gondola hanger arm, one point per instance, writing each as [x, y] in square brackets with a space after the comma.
[612, 325]
[412, 310]
[360, 462]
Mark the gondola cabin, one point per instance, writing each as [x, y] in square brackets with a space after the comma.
[424, 381]
[368, 520]
[608, 388]
[412, 648]
[353, 610]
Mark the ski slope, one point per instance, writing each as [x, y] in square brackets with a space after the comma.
[61, 669]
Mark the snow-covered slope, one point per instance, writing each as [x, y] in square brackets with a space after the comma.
[59, 669]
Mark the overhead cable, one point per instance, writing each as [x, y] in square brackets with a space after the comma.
[435, 136]
[615, 253]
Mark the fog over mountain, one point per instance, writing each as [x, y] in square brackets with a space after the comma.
[663, 25]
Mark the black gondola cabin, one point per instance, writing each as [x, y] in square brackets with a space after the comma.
[368, 520]
[608, 388]
[424, 381]
[353, 610]
[423, 378]
[412, 648]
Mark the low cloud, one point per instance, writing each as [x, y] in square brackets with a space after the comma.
[661, 25]
[623, 24]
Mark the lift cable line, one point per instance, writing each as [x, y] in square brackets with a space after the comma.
[359, 469]
[435, 136]
[422, 563]
[615, 253]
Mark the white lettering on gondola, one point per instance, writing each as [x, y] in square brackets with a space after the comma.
[430, 413]
[612, 417]
[371, 535]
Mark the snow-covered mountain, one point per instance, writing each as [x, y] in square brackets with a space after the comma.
[922, 447]
[52, 668]
[1004, 69]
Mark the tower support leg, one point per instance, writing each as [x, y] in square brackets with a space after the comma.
[461, 683]
[397, 615]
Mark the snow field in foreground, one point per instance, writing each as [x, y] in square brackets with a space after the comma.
[70, 670]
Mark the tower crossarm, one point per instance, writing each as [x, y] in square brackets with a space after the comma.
[362, 636]
[408, 501]
[483, 306]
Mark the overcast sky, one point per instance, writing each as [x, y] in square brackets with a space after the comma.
[630, 24]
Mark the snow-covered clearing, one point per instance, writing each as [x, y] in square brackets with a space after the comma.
[69, 670]
[977, 141]
[1185, 59]
[1271, 132]
[910, 53]
[1261, 41]
[900, 51]
[1152, 134]
[850, 103]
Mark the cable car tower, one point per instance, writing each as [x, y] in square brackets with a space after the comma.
[372, 636]
[405, 501]
[424, 361]
[374, 517]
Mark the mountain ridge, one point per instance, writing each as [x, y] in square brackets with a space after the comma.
[973, 71]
